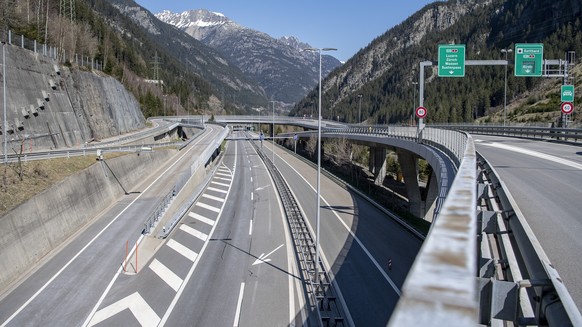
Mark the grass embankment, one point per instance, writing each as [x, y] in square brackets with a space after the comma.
[20, 182]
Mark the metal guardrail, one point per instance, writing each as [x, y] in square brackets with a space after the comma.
[321, 293]
[534, 132]
[158, 211]
[527, 267]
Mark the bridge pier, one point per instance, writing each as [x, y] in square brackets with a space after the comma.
[409, 166]
[377, 164]
[431, 197]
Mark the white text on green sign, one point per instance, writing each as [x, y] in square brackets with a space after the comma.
[451, 60]
[528, 59]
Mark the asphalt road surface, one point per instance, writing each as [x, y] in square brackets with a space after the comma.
[545, 178]
[357, 241]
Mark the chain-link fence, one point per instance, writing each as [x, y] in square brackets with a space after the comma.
[54, 53]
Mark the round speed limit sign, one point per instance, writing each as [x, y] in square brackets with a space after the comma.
[421, 112]
[567, 108]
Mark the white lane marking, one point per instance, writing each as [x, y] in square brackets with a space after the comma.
[144, 314]
[166, 274]
[201, 218]
[217, 190]
[191, 255]
[535, 154]
[194, 232]
[225, 175]
[251, 228]
[239, 304]
[93, 240]
[223, 179]
[263, 258]
[251, 179]
[221, 184]
[191, 271]
[206, 206]
[252, 196]
[212, 197]
[291, 266]
[376, 264]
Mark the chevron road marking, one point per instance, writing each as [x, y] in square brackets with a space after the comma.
[193, 232]
[201, 218]
[212, 197]
[191, 255]
[144, 314]
[217, 190]
[166, 274]
[221, 184]
[206, 206]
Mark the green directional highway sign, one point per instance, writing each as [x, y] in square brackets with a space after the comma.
[567, 93]
[528, 59]
[451, 60]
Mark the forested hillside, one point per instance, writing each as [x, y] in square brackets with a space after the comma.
[196, 78]
[386, 81]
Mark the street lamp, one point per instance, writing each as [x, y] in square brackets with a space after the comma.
[273, 135]
[320, 50]
[413, 101]
[360, 109]
[4, 100]
[506, 51]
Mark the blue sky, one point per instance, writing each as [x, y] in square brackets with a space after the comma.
[347, 26]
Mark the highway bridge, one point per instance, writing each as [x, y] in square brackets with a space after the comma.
[234, 257]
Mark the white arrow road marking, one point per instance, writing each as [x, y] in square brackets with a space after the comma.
[263, 258]
[144, 314]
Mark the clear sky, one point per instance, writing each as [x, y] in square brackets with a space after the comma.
[345, 25]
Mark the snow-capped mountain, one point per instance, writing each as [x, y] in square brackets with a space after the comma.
[285, 72]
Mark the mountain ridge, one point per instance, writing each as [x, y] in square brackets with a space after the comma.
[279, 66]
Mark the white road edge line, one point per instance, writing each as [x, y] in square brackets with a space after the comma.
[191, 271]
[536, 154]
[239, 304]
[291, 266]
[133, 250]
[396, 289]
[91, 242]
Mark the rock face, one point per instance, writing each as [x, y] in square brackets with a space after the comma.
[279, 66]
[226, 80]
[51, 106]
[376, 59]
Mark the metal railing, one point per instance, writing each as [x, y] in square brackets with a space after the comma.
[533, 132]
[49, 51]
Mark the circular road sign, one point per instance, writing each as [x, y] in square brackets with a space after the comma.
[567, 108]
[421, 112]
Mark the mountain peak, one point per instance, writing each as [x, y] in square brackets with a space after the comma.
[194, 18]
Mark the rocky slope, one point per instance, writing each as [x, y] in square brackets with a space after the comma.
[279, 66]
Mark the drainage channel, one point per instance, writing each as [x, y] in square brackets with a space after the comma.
[325, 306]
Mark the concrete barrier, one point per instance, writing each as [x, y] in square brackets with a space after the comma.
[33, 229]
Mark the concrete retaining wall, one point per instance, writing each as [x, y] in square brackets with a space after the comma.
[33, 229]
